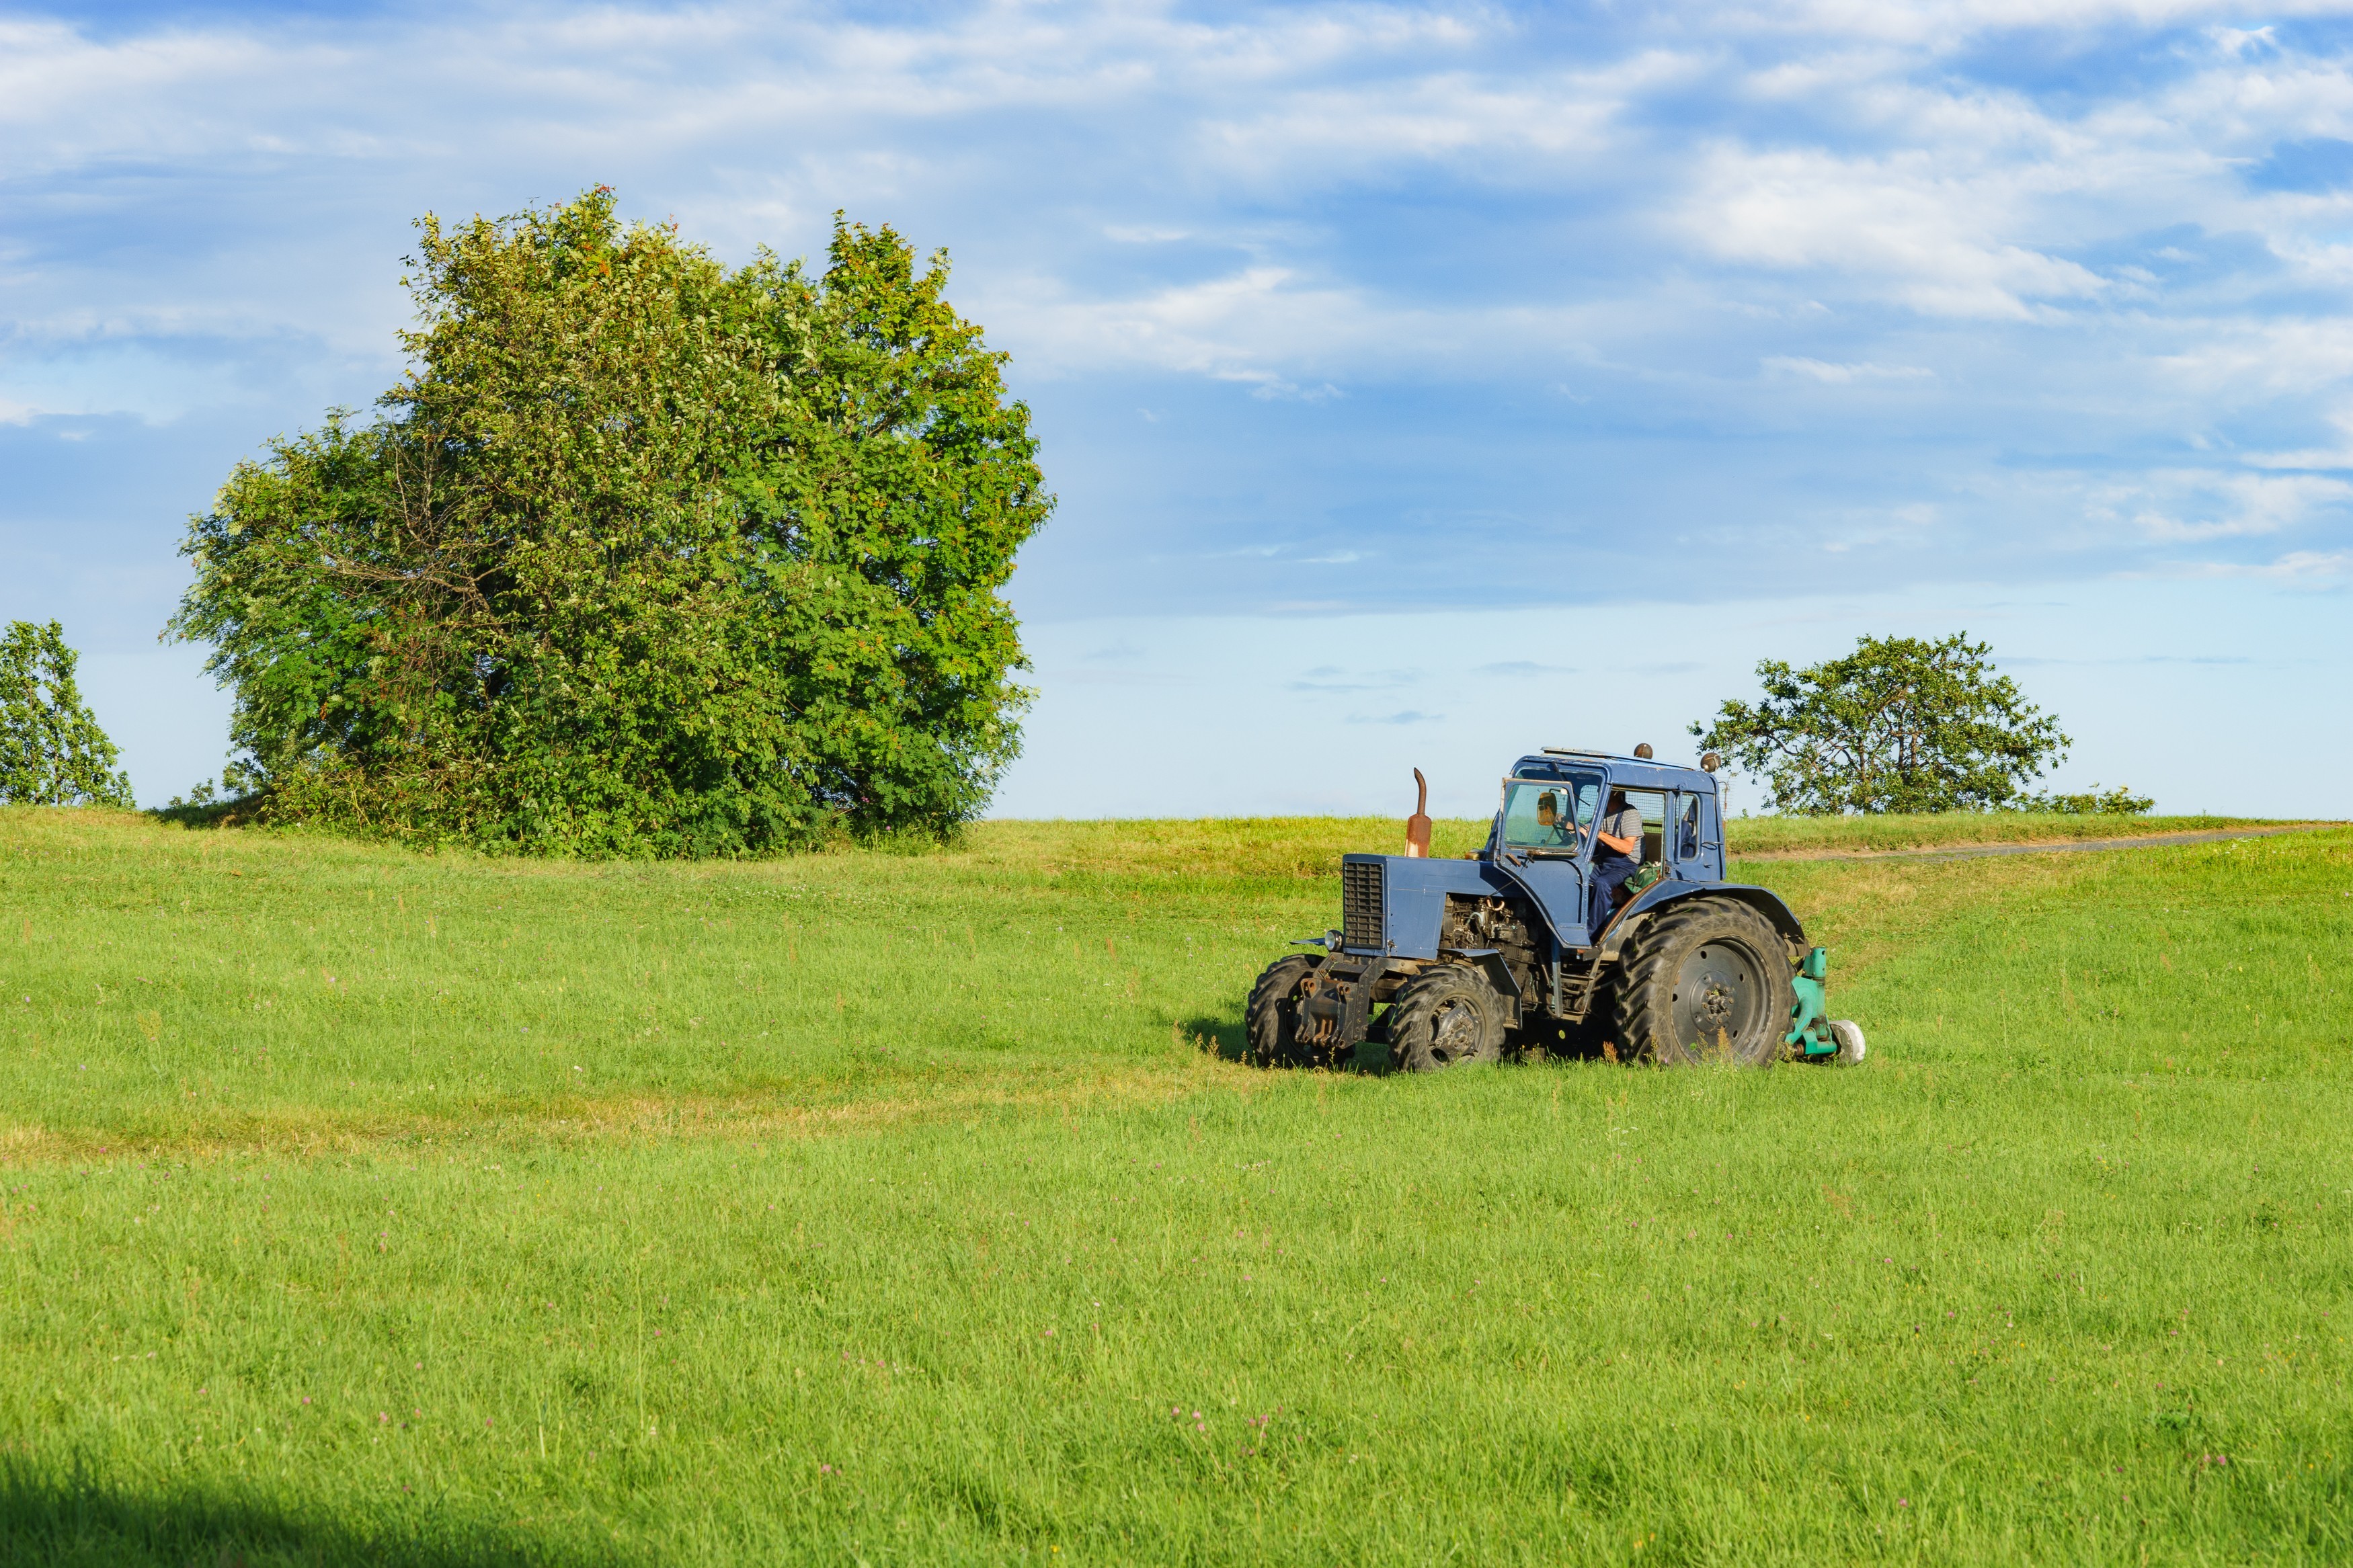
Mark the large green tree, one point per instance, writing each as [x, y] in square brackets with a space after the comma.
[52, 752]
[1899, 724]
[644, 555]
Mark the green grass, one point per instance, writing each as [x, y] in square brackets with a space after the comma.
[1948, 829]
[362, 1206]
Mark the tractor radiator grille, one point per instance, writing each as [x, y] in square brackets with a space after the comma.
[1360, 903]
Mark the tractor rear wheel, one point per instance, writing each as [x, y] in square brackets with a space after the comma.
[1271, 1019]
[1443, 1017]
[1707, 981]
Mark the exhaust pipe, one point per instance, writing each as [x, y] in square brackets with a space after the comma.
[1417, 826]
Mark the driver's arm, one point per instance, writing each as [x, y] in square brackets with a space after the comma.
[1623, 846]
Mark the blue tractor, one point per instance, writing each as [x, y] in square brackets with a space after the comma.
[1442, 962]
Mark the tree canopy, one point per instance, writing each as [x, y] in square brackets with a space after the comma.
[644, 555]
[52, 752]
[1900, 724]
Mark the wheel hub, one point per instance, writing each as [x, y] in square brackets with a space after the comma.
[1453, 1032]
[1719, 991]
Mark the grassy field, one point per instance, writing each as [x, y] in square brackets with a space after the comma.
[1753, 835]
[362, 1207]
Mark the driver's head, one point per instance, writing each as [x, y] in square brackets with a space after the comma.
[1547, 809]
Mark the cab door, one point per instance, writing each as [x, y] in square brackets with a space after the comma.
[1688, 850]
[1554, 879]
[1698, 840]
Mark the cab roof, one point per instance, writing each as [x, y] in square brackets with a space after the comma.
[1632, 772]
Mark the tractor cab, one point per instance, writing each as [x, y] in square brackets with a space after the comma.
[1550, 802]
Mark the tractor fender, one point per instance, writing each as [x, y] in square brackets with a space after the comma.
[1667, 893]
[1489, 963]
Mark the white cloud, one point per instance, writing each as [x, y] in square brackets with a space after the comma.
[1836, 375]
[1900, 226]
[1275, 330]
[2312, 568]
[1943, 24]
[2245, 359]
[1534, 126]
[2179, 506]
[2338, 455]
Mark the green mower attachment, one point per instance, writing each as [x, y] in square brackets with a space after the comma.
[1809, 1037]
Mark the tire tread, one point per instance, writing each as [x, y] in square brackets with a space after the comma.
[1637, 991]
[1267, 1040]
[1409, 1011]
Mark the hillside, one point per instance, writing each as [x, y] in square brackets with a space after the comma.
[370, 1206]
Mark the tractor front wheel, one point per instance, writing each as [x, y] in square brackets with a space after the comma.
[1271, 1019]
[1443, 1017]
[1707, 981]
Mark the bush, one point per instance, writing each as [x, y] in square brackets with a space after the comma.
[2118, 802]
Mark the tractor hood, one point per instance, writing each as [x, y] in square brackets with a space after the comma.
[1394, 904]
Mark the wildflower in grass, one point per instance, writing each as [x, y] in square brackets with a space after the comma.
[1903, 1502]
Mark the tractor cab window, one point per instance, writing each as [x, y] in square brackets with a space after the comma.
[1542, 815]
[1652, 804]
[1687, 828]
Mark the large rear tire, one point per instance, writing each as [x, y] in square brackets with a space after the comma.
[1708, 980]
[1271, 1019]
[1445, 1017]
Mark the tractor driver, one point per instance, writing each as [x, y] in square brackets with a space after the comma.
[1552, 833]
[1617, 854]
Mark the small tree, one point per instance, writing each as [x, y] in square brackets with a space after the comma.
[1900, 724]
[52, 752]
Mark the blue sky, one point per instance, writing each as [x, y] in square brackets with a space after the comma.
[1422, 382]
